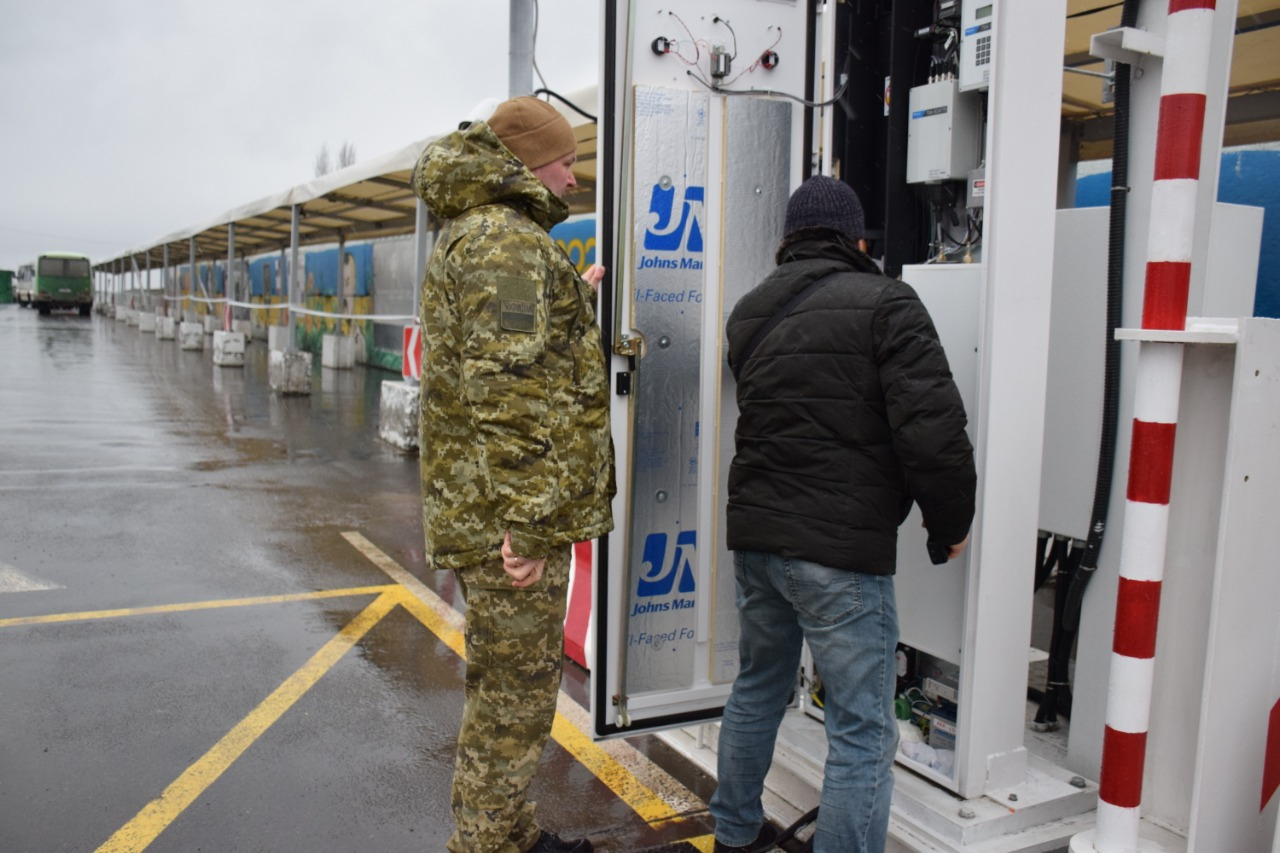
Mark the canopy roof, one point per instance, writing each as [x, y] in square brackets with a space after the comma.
[363, 201]
[373, 199]
[1253, 105]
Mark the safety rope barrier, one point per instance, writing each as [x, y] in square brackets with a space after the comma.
[284, 306]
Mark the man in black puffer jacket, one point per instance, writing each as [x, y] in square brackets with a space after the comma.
[847, 414]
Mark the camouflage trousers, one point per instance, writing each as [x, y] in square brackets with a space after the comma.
[515, 653]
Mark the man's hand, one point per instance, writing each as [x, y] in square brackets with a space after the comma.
[524, 570]
[593, 276]
[953, 551]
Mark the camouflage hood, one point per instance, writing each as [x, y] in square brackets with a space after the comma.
[471, 167]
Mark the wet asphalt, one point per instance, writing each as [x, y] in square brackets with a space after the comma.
[193, 654]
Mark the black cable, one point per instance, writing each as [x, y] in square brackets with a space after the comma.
[1056, 699]
[767, 92]
[570, 104]
[719, 20]
[789, 833]
[1115, 308]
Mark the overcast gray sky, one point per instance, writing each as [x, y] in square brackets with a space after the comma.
[122, 121]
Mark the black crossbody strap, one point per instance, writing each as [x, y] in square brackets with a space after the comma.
[783, 312]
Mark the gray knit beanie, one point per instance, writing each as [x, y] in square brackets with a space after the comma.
[823, 202]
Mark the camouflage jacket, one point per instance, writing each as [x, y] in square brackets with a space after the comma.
[514, 420]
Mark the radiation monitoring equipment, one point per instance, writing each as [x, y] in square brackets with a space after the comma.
[712, 114]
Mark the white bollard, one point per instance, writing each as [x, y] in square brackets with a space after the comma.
[228, 349]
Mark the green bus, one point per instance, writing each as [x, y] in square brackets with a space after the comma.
[62, 280]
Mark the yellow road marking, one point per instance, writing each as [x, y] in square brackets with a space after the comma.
[138, 833]
[430, 609]
[648, 805]
[435, 623]
[190, 606]
[433, 612]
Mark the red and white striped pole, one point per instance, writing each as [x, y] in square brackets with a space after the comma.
[1183, 91]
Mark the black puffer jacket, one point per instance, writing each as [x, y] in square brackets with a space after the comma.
[847, 412]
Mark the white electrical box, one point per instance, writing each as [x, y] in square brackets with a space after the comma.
[944, 136]
[977, 37]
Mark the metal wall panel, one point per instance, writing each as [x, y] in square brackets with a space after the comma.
[669, 296]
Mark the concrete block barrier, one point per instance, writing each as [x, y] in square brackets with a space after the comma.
[228, 349]
[289, 371]
[191, 337]
[398, 414]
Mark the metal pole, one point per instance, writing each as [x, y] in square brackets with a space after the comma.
[520, 56]
[191, 278]
[294, 223]
[1179, 139]
[279, 283]
[231, 289]
[419, 251]
[149, 306]
[341, 323]
[164, 280]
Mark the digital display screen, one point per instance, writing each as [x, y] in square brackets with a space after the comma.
[983, 11]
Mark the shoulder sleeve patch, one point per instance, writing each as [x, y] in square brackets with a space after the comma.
[517, 304]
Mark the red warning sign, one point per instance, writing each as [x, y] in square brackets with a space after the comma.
[412, 362]
[1271, 760]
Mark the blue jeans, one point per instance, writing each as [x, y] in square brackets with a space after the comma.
[850, 621]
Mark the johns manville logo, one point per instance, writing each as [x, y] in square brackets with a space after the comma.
[669, 573]
[674, 227]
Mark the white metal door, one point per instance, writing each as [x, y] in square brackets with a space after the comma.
[696, 169]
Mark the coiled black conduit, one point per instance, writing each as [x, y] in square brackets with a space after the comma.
[1076, 575]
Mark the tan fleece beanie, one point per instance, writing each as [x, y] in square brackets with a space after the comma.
[533, 130]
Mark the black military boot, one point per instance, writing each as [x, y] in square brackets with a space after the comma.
[549, 842]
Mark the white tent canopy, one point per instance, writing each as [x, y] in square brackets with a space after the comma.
[363, 201]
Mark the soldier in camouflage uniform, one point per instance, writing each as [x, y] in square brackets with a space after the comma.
[516, 455]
